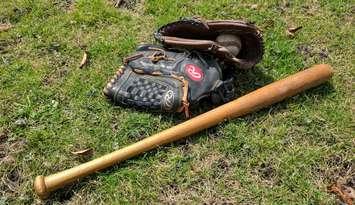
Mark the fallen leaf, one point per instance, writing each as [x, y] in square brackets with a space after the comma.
[349, 191]
[83, 60]
[345, 193]
[83, 152]
[291, 32]
[254, 6]
[5, 27]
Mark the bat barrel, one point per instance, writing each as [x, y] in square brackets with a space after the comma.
[255, 100]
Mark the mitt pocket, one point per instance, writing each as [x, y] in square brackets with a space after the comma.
[148, 91]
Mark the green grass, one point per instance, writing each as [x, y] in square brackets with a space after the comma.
[288, 153]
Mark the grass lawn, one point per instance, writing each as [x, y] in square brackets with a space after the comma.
[49, 107]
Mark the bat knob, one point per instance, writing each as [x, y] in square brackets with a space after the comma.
[40, 187]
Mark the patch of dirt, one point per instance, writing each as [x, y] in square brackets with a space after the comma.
[266, 171]
[185, 146]
[4, 133]
[11, 180]
[8, 149]
[10, 183]
[207, 162]
[340, 167]
[349, 17]
[268, 23]
[222, 164]
[311, 9]
[351, 181]
[283, 6]
[205, 192]
[308, 52]
[115, 126]
[5, 44]
[84, 194]
[205, 186]
[67, 5]
[54, 76]
[336, 169]
[126, 4]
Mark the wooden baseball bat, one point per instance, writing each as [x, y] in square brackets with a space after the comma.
[255, 100]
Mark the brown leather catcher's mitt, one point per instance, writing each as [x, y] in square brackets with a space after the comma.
[232, 41]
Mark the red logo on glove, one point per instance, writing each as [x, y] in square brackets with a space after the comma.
[194, 72]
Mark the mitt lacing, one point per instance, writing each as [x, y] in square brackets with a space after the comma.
[158, 55]
[185, 88]
[109, 85]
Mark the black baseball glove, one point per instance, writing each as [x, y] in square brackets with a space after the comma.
[169, 80]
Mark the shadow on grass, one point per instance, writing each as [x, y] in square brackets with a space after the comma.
[246, 81]
[64, 194]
